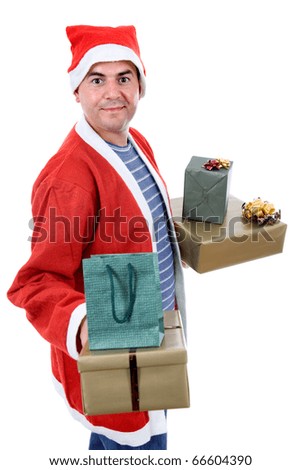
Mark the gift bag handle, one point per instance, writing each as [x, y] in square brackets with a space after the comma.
[132, 294]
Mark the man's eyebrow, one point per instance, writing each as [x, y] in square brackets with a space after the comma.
[126, 72]
[97, 74]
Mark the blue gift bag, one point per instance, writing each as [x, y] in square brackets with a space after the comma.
[124, 301]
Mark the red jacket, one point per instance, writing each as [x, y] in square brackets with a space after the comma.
[84, 202]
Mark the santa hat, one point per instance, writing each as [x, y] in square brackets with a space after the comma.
[92, 44]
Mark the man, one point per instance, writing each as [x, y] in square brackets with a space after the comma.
[104, 173]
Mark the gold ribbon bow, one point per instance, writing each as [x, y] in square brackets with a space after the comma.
[260, 211]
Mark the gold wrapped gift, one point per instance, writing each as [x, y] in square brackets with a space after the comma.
[118, 381]
[206, 247]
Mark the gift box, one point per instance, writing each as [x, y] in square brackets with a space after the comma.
[206, 192]
[206, 247]
[118, 381]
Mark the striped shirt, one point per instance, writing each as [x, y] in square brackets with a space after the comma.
[153, 197]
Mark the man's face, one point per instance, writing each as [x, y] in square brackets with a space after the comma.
[109, 96]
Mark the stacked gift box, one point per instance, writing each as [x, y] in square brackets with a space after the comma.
[217, 230]
[136, 357]
[206, 189]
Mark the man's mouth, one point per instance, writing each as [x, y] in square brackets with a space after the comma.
[114, 109]
[114, 106]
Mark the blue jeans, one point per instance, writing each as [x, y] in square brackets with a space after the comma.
[100, 442]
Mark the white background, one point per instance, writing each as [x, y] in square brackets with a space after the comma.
[223, 79]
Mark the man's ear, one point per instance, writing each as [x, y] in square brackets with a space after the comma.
[76, 94]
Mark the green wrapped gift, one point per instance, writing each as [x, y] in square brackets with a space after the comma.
[206, 189]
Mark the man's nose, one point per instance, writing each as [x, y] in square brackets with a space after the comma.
[112, 89]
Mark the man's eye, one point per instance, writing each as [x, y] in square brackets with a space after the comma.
[97, 81]
[124, 80]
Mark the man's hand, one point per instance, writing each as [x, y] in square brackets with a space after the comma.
[83, 332]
